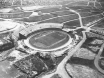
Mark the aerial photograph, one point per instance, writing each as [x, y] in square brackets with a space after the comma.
[51, 38]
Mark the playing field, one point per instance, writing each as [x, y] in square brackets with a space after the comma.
[48, 39]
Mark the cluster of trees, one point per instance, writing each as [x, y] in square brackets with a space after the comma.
[3, 4]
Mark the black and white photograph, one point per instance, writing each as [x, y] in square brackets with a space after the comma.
[51, 38]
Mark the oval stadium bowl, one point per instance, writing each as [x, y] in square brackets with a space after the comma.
[48, 39]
